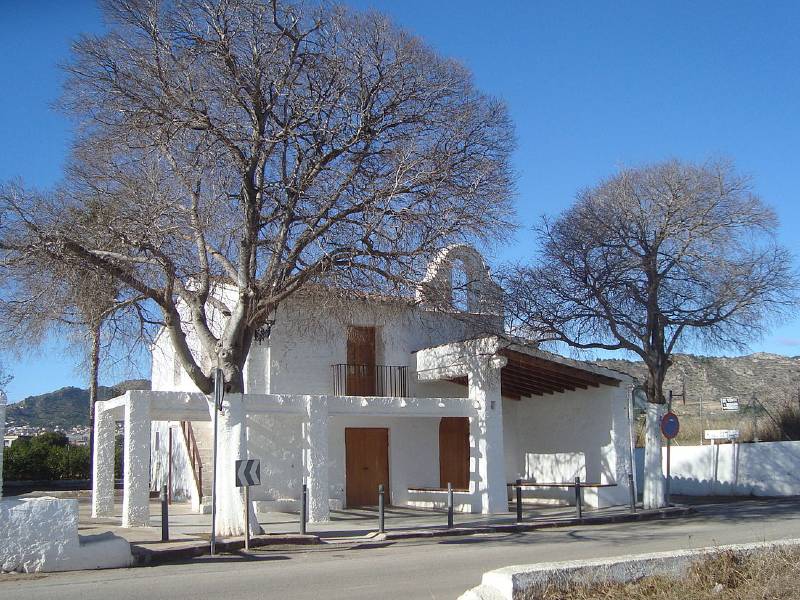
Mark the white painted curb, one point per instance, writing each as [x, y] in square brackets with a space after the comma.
[530, 581]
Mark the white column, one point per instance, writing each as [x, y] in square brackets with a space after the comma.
[486, 431]
[103, 463]
[654, 491]
[2, 434]
[315, 458]
[136, 495]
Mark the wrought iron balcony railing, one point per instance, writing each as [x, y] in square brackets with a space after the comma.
[370, 380]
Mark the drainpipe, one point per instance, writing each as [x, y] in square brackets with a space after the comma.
[632, 442]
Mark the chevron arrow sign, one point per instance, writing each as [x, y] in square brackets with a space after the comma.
[248, 472]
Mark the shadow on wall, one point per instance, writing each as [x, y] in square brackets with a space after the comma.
[757, 469]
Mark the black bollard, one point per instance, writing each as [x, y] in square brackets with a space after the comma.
[578, 500]
[449, 505]
[632, 492]
[519, 500]
[303, 509]
[164, 514]
[380, 509]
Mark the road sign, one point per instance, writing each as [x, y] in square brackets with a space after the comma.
[729, 403]
[248, 472]
[721, 434]
[670, 426]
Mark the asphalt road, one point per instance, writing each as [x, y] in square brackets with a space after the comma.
[437, 569]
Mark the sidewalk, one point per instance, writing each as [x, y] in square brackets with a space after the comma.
[189, 531]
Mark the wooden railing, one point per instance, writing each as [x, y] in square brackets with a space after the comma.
[370, 380]
[194, 456]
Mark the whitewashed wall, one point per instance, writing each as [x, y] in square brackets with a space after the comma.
[762, 469]
[581, 433]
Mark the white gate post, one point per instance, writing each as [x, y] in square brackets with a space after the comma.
[136, 496]
[103, 463]
[2, 435]
[315, 458]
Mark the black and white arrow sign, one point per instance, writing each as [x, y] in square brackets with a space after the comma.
[248, 472]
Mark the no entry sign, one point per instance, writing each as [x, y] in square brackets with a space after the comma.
[248, 472]
[670, 426]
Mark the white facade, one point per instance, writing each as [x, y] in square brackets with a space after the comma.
[457, 364]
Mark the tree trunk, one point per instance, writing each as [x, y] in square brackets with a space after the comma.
[654, 493]
[231, 446]
[94, 369]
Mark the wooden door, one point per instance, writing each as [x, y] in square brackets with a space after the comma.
[454, 452]
[360, 361]
[366, 464]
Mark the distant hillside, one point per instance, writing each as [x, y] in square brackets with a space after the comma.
[774, 379]
[65, 408]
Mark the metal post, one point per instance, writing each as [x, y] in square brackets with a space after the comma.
[632, 492]
[164, 514]
[169, 466]
[449, 505]
[519, 500]
[218, 391]
[247, 517]
[303, 509]
[380, 509]
[578, 500]
[669, 446]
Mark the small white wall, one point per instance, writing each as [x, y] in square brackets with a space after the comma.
[567, 435]
[761, 469]
[41, 534]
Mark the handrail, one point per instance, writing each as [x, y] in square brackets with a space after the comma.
[194, 456]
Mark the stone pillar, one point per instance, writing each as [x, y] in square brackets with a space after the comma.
[136, 495]
[315, 458]
[103, 463]
[486, 431]
[2, 435]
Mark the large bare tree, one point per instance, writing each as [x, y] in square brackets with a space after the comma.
[261, 146]
[651, 258]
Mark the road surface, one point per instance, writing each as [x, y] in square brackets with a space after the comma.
[431, 569]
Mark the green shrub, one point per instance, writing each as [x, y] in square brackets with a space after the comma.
[45, 457]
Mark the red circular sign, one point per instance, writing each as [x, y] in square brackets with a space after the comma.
[670, 426]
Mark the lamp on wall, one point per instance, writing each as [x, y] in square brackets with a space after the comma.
[262, 333]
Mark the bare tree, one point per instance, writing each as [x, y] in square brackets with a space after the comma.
[652, 258]
[254, 147]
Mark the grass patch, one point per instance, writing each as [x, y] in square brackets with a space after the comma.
[772, 575]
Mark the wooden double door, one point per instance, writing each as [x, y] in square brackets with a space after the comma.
[366, 465]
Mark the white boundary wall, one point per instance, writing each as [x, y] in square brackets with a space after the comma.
[759, 469]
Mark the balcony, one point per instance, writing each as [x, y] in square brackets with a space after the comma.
[370, 380]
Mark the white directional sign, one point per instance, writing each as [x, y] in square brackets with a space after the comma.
[729, 403]
[248, 472]
[721, 434]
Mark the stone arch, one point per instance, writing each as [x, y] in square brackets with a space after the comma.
[481, 293]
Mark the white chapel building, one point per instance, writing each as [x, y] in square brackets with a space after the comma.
[410, 393]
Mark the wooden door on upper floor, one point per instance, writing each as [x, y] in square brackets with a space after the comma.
[361, 361]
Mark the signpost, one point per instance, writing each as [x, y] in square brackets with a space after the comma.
[670, 426]
[248, 472]
[721, 434]
[729, 403]
[219, 393]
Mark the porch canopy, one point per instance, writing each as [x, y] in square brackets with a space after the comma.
[527, 371]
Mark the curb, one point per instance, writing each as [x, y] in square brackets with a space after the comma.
[149, 556]
[531, 581]
[650, 515]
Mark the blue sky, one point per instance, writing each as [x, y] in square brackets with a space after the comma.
[591, 86]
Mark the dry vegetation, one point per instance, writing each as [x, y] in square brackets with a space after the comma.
[726, 576]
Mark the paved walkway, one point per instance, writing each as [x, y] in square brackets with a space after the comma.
[345, 526]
